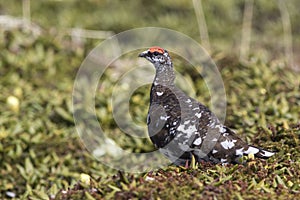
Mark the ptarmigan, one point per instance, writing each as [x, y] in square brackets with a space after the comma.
[181, 127]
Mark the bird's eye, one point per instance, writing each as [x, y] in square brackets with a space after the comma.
[155, 53]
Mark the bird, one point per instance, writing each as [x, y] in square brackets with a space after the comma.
[182, 128]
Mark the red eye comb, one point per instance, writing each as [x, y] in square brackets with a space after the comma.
[156, 49]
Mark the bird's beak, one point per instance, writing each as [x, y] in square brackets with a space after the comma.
[143, 54]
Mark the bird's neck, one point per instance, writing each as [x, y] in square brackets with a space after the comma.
[165, 75]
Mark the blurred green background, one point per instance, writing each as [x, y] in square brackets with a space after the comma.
[223, 18]
[40, 151]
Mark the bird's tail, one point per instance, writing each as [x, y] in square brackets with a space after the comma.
[258, 152]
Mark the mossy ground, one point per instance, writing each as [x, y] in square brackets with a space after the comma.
[42, 156]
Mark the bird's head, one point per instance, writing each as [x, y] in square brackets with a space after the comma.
[157, 55]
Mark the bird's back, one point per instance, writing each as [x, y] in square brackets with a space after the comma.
[181, 127]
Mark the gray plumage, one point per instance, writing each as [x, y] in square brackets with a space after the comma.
[180, 126]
